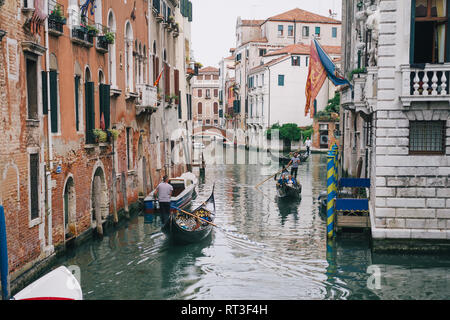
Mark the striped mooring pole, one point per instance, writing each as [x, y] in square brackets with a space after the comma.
[4, 270]
[331, 191]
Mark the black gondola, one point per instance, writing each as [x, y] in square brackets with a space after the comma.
[286, 190]
[178, 230]
[284, 160]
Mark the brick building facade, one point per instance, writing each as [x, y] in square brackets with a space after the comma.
[88, 133]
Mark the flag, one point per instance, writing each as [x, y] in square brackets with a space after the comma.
[38, 17]
[316, 78]
[159, 78]
[329, 66]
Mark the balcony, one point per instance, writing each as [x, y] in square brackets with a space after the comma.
[428, 84]
[83, 30]
[147, 99]
[56, 19]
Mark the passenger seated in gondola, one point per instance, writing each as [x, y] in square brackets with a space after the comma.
[283, 180]
[292, 181]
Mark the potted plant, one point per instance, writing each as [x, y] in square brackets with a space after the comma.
[100, 135]
[114, 133]
[92, 30]
[109, 37]
[57, 15]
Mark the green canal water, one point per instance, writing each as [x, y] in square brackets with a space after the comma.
[271, 250]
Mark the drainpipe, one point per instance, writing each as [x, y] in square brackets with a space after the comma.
[48, 217]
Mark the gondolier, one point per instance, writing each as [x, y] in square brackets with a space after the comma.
[295, 162]
[164, 192]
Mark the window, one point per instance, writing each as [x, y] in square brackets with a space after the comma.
[208, 93]
[216, 93]
[429, 23]
[262, 52]
[200, 107]
[427, 137]
[105, 110]
[290, 31]
[238, 57]
[280, 30]
[262, 79]
[208, 77]
[307, 61]
[89, 111]
[129, 144]
[281, 79]
[54, 100]
[34, 185]
[305, 31]
[334, 32]
[200, 77]
[199, 93]
[32, 94]
[77, 102]
[216, 108]
[317, 31]
[296, 61]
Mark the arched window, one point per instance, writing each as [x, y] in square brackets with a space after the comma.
[112, 51]
[89, 96]
[129, 56]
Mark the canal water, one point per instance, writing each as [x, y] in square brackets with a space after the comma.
[269, 249]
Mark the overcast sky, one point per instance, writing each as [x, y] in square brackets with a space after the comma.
[214, 21]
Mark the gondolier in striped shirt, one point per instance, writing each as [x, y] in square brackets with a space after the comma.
[295, 162]
[164, 193]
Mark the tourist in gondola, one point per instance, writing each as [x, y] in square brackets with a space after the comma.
[164, 192]
[282, 180]
[295, 162]
[292, 181]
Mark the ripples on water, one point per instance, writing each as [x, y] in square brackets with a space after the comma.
[266, 249]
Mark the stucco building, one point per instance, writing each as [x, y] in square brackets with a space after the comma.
[395, 125]
[205, 88]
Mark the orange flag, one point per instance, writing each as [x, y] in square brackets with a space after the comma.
[159, 78]
[316, 77]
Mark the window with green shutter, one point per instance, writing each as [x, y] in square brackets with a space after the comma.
[54, 100]
[189, 11]
[89, 112]
[77, 102]
[44, 92]
[105, 102]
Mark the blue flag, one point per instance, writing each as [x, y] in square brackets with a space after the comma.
[329, 66]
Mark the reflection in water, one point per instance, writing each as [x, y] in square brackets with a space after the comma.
[272, 249]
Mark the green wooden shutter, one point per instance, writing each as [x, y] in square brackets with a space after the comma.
[77, 103]
[54, 100]
[89, 112]
[190, 11]
[107, 105]
[44, 93]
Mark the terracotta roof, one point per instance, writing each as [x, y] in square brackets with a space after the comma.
[256, 40]
[208, 69]
[302, 16]
[301, 48]
[252, 23]
[270, 63]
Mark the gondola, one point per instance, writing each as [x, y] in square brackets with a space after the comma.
[184, 228]
[287, 190]
[284, 160]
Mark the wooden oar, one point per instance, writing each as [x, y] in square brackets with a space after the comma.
[193, 215]
[271, 177]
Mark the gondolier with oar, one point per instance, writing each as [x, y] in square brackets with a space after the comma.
[164, 192]
[295, 162]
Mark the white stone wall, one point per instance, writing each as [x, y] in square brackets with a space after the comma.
[411, 194]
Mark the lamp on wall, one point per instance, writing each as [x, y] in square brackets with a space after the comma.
[2, 34]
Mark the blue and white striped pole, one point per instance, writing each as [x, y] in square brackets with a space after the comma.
[4, 269]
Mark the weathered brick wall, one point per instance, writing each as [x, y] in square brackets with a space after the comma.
[24, 242]
[412, 198]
